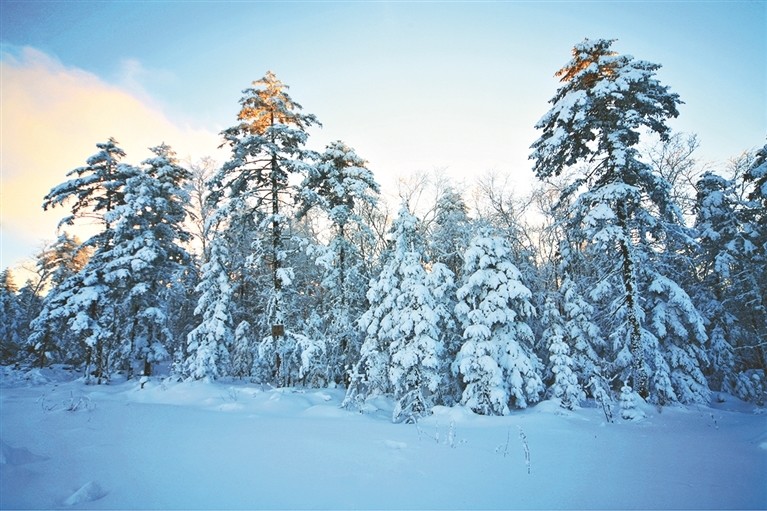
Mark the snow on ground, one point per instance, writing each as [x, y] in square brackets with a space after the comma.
[234, 445]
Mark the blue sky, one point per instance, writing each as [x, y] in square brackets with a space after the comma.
[412, 86]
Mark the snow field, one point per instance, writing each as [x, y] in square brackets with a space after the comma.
[233, 445]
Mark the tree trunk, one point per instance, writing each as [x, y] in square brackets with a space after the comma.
[342, 266]
[639, 371]
[276, 247]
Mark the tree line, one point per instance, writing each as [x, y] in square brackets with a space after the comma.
[645, 277]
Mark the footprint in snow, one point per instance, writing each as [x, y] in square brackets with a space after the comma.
[17, 455]
[89, 492]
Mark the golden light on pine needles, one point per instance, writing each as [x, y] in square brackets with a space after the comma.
[582, 60]
[268, 105]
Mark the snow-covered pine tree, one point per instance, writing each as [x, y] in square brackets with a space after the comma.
[402, 351]
[564, 386]
[76, 320]
[60, 260]
[338, 185]
[496, 361]
[140, 265]
[267, 148]
[97, 187]
[623, 208]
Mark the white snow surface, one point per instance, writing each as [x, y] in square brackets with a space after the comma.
[161, 444]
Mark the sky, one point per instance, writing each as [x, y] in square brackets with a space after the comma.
[455, 87]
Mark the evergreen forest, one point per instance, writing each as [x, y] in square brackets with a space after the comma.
[630, 272]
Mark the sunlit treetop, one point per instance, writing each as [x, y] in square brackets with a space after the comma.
[268, 103]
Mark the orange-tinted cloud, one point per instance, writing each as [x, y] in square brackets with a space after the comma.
[52, 117]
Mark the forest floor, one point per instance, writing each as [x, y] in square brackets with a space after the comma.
[235, 445]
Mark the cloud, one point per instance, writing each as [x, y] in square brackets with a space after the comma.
[52, 118]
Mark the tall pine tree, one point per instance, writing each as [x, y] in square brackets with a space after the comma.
[623, 208]
[338, 185]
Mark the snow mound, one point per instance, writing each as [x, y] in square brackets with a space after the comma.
[455, 413]
[17, 455]
[395, 445]
[553, 406]
[326, 411]
[13, 377]
[89, 492]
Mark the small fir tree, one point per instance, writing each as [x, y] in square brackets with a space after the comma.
[211, 340]
[402, 351]
[565, 386]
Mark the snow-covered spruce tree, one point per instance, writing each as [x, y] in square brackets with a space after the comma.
[755, 227]
[402, 352]
[244, 351]
[496, 362]
[141, 264]
[77, 324]
[564, 385]
[31, 303]
[675, 338]
[210, 342]
[267, 148]
[116, 305]
[623, 208]
[727, 276]
[451, 231]
[48, 332]
[303, 357]
[337, 185]
[718, 227]
[583, 335]
[628, 402]
[11, 319]
[757, 177]
[240, 256]
[585, 338]
[448, 237]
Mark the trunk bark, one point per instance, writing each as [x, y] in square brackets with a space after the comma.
[639, 370]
